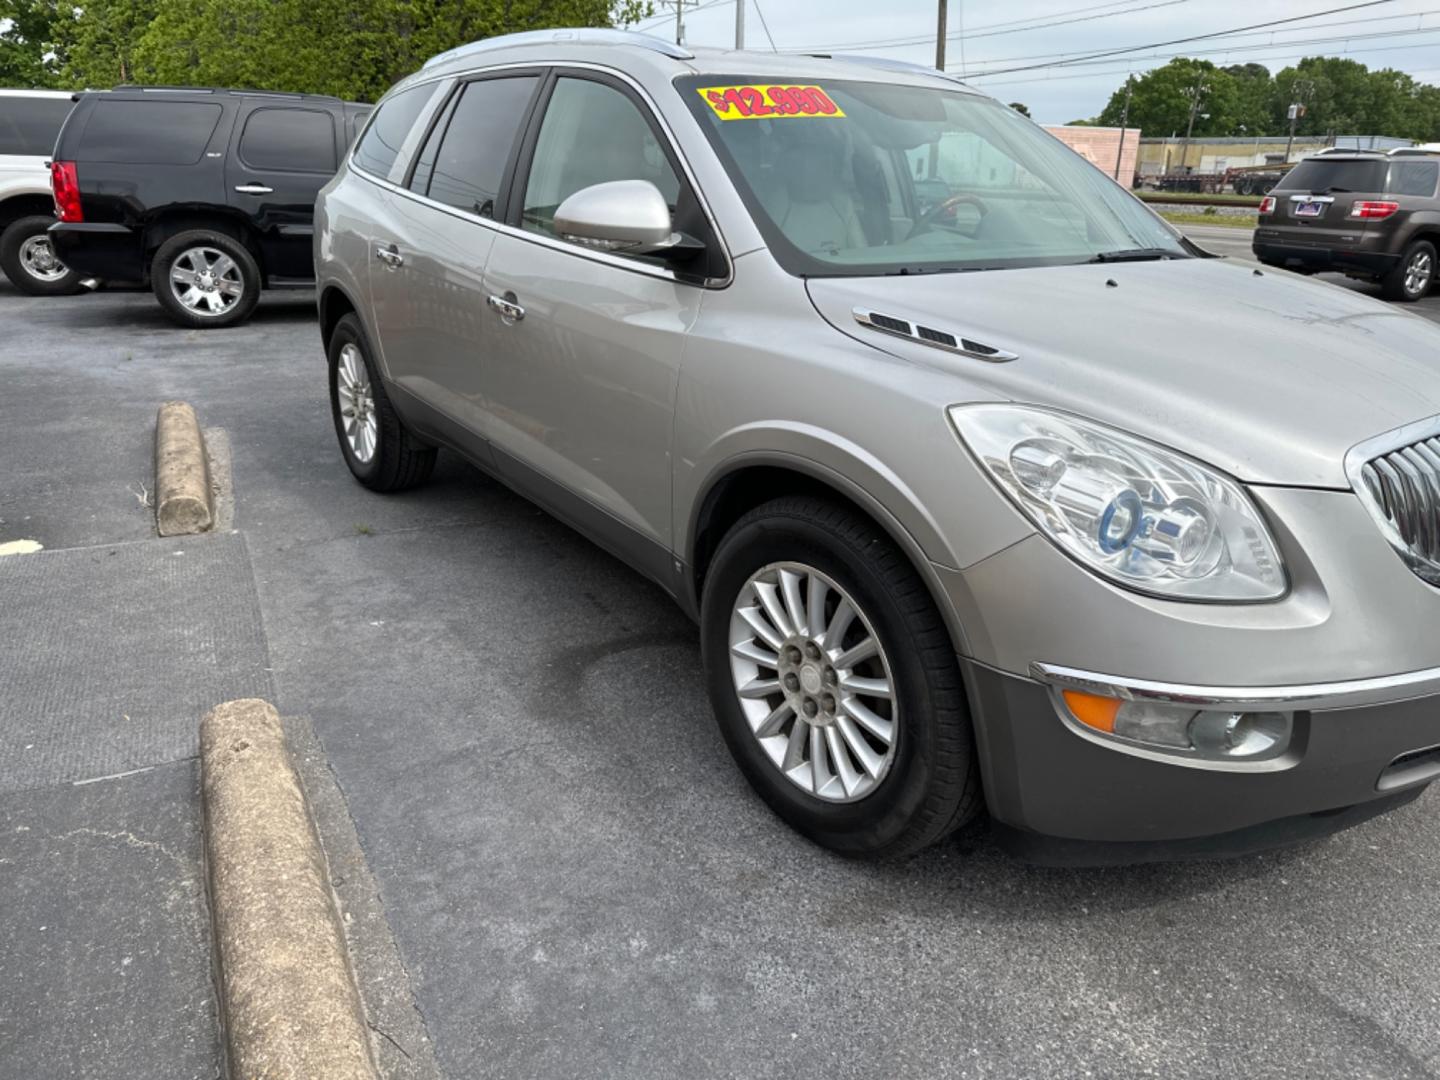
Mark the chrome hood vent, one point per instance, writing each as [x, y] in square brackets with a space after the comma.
[1397, 476]
[925, 335]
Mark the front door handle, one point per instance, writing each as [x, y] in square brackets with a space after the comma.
[389, 256]
[253, 189]
[509, 310]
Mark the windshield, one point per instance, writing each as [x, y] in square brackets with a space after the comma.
[869, 178]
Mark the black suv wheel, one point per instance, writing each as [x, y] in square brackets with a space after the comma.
[1411, 279]
[205, 279]
[29, 261]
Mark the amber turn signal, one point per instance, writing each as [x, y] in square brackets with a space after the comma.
[1092, 710]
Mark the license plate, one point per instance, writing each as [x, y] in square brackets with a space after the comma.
[1309, 209]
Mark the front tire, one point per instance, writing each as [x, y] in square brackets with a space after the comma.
[29, 260]
[380, 451]
[205, 280]
[835, 682]
[1412, 278]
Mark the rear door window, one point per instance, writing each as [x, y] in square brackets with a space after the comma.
[467, 165]
[380, 145]
[1414, 178]
[1320, 176]
[29, 125]
[289, 140]
[142, 132]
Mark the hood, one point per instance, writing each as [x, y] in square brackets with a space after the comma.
[1269, 376]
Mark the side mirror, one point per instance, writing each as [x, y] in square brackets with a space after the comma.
[625, 216]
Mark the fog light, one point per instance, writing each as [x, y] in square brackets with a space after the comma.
[1240, 735]
[1181, 729]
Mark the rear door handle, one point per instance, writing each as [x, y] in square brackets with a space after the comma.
[389, 256]
[253, 189]
[509, 310]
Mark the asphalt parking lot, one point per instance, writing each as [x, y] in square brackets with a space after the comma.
[578, 880]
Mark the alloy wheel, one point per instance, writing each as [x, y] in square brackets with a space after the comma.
[206, 281]
[813, 682]
[1417, 273]
[38, 259]
[357, 404]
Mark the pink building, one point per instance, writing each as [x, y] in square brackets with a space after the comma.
[1098, 145]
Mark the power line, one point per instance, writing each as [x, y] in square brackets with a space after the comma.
[765, 26]
[982, 32]
[1198, 37]
[929, 38]
[1251, 33]
[1130, 68]
[1282, 47]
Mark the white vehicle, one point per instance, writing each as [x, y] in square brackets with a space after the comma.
[29, 122]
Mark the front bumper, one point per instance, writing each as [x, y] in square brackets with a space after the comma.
[1096, 802]
[98, 249]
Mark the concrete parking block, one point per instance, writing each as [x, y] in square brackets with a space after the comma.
[182, 476]
[287, 993]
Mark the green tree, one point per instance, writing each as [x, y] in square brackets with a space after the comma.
[1020, 107]
[1253, 91]
[33, 41]
[354, 49]
[1162, 98]
[104, 41]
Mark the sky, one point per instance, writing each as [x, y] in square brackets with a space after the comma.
[987, 36]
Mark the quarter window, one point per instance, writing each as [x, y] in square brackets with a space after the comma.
[463, 164]
[592, 134]
[1414, 177]
[149, 132]
[380, 145]
[294, 140]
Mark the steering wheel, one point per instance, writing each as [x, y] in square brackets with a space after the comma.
[925, 220]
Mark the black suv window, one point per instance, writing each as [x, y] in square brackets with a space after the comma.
[381, 143]
[1414, 177]
[1318, 175]
[466, 170]
[149, 132]
[294, 140]
[29, 125]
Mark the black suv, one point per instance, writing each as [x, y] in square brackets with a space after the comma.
[1368, 215]
[209, 195]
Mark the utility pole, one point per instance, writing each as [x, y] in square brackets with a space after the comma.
[1195, 96]
[739, 24]
[1296, 110]
[1124, 120]
[940, 35]
[679, 24]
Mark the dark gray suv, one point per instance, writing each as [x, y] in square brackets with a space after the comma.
[1368, 215]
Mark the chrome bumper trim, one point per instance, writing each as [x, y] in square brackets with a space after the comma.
[1332, 695]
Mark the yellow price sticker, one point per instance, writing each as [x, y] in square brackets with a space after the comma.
[777, 102]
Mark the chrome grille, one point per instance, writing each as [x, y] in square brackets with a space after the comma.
[1398, 478]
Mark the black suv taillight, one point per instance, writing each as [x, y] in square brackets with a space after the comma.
[66, 188]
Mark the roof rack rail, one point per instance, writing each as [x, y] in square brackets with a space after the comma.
[577, 36]
[158, 88]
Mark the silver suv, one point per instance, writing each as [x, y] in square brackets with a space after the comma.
[982, 483]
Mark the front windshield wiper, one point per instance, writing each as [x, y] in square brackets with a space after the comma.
[1137, 255]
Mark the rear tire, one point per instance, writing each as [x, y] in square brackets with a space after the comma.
[29, 261]
[205, 280]
[380, 451]
[887, 797]
[1413, 275]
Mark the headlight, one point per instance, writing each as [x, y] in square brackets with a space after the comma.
[1139, 514]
